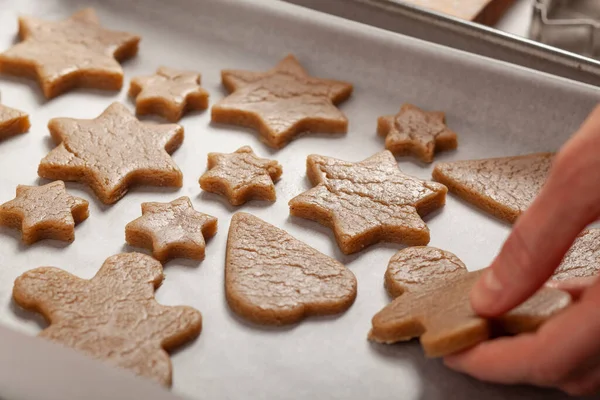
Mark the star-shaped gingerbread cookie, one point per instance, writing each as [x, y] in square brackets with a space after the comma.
[368, 201]
[112, 152]
[441, 315]
[417, 132]
[241, 176]
[169, 93]
[12, 122]
[113, 316]
[76, 52]
[282, 102]
[44, 212]
[171, 230]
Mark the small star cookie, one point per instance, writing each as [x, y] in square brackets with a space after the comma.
[76, 52]
[12, 122]
[171, 230]
[367, 202]
[169, 93]
[417, 132]
[503, 187]
[282, 102]
[241, 176]
[112, 152]
[272, 278]
[440, 314]
[44, 212]
[113, 316]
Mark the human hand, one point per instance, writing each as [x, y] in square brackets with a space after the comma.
[565, 352]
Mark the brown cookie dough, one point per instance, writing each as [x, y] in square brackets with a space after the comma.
[241, 176]
[282, 103]
[412, 268]
[113, 316]
[169, 93]
[367, 202]
[583, 259]
[503, 187]
[12, 122]
[171, 230]
[271, 278]
[76, 52]
[441, 315]
[417, 132]
[44, 212]
[113, 152]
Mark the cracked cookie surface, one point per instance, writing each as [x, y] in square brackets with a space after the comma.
[12, 122]
[441, 315]
[113, 316]
[44, 212]
[282, 103]
[241, 176]
[583, 258]
[113, 152]
[415, 267]
[171, 230]
[367, 202]
[271, 278]
[417, 132]
[503, 187]
[169, 93]
[75, 52]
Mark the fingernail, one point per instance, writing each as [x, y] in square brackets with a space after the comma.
[486, 292]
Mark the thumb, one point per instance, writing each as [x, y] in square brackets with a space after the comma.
[568, 202]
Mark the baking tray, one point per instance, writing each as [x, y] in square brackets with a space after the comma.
[498, 109]
[408, 19]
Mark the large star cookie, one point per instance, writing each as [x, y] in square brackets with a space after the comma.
[12, 122]
[272, 278]
[282, 102]
[241, 176]
[76, 52]
[113, 316]
[169, 93]
[171, 230]
[417, 132]
[112, 152]
[504, 187]
[583, 258]
[440, 314]
[368, 201]
[44, 212]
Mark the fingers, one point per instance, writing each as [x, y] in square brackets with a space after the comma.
[568, 202]
[575, 287]
[564, 352]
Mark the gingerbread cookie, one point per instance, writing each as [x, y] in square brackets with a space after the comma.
[12, 122]
[412, 268]
[367, 202]
[171, 230]
[113, 152]
[272, 278]
[504, 187]
[76, 52]
[440, 314]
[417, 132]
[583, 259]
[113, 316]
[169, 93]
[241, 176]
[282, 102]
[44, 212]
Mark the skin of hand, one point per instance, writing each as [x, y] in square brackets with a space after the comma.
[565, 352]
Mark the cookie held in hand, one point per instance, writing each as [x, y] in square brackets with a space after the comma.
[113, 316]
[272, 278]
